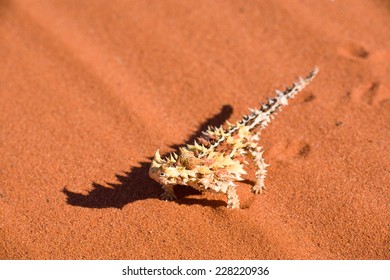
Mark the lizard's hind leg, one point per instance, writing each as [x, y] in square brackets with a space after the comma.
[257, 155]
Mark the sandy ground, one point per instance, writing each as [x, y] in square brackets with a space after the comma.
[90, 89]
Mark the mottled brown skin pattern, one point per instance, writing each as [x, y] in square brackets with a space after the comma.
[217, 159]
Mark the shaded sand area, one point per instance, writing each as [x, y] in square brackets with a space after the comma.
[89, 91]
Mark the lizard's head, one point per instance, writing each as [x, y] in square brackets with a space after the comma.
[164, 171]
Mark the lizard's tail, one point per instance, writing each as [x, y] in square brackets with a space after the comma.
[257, 118]
[263, 115]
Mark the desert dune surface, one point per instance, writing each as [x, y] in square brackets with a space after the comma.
[89, 90]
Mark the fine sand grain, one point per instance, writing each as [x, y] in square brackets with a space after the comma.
[90, 89]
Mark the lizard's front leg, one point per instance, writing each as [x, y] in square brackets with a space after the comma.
[232, 197]
[226, 187]
[169, 193]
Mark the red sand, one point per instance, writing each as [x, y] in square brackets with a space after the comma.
[90, 90]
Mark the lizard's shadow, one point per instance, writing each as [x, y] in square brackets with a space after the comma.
[136, 185]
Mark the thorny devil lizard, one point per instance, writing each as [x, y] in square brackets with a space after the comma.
[217, 159]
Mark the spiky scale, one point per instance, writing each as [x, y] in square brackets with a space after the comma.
[217, 160]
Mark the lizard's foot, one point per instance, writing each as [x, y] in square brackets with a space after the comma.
[168, 196]
[258, 188]
[233, 205]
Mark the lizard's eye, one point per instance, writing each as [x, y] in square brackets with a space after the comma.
[161, 174]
